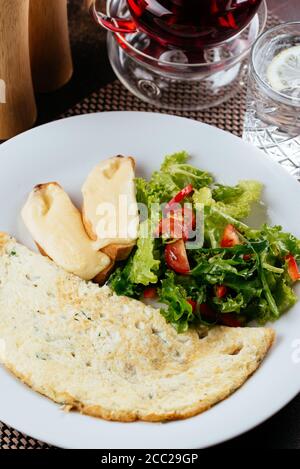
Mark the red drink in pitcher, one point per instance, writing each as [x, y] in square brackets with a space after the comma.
[190, 24]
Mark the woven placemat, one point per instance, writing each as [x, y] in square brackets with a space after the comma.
[228, 116]
[115, 97]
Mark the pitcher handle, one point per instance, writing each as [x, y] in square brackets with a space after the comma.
[116, 25]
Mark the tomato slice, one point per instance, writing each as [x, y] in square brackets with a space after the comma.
[176, 257]
[188, 221]
[177, 224]
[226, 319]
[292, 267]
[150, 292]
[179, 197]
[207, 313]
[230, 320]
[193, 303]
[171, 227]
[247, 257]
[221, 291]
[230, 237]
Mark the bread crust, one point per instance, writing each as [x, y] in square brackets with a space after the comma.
[42, 251]
[44, 185]
[118, 252]
[104, 274]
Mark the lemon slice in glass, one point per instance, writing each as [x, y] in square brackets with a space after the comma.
[283, 73]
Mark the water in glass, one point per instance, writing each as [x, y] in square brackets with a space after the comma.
[272, 120]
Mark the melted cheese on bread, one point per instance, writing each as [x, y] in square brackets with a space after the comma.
[56, 226]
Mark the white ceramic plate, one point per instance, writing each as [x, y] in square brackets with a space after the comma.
[65, 151]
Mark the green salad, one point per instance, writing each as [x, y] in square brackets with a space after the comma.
[235, 274]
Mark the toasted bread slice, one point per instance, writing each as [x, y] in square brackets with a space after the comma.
[109, 201]
[102, 276]
[56, 226]
[118, 252]
[111, 356]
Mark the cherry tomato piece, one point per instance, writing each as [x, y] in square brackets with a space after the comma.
[230, 320]
[292, 267]
[176, 257]
[179, 197]
[193, 303]
[221, 291]
[150, 292]
[230, 237]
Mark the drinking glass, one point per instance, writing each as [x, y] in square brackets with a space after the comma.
[272, 120]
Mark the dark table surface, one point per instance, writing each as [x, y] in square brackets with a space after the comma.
[92, 71]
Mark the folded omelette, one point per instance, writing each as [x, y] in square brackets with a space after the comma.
[110, 356]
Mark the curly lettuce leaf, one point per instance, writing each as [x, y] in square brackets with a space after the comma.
[224, 205]
[144, 266]
[162, 187]
[284, 296]
[226, 194]
[182, 173]
[175, 173]
[178, 312]
[237, 201]
[180, 157]
[140, 270]
[203, 196]
[230, 304]
[142, 191]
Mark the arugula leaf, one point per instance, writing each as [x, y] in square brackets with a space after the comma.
[179, 312]
[194, 290]
[257, 310]
[250, 289]
[280, 243]
[121, 283]
[216, 272]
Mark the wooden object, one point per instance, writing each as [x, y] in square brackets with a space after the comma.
[17, 103]
[51, 60]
